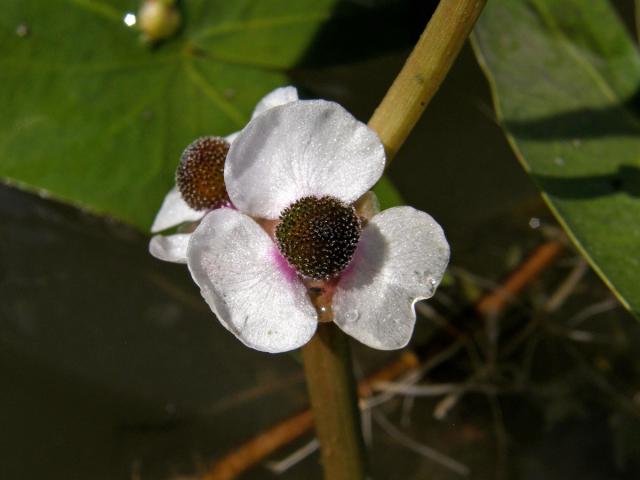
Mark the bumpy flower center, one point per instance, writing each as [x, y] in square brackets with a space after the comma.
[318, 236]
[200, 174]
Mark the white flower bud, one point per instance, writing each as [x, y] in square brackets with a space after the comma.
[158, 19]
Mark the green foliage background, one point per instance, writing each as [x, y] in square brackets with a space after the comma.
[94, 117]
[566, 83]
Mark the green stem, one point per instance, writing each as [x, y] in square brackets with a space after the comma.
[424, 71]
[327, 360]
[327, 365]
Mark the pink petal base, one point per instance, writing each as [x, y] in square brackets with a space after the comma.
[289, 272]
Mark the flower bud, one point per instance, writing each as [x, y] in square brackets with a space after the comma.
[200, 174]
[158, 19]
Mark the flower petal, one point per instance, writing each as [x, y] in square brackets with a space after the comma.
[173, 212]
[401, 258]
[248, 285]
[302, 148]
[231, 137]
[170, 248]
[280, 96]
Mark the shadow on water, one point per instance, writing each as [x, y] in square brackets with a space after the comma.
[625, 180]
[362, 29]
[110, 358]
[616, 119]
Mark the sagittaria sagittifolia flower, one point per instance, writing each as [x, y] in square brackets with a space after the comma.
[293, 175]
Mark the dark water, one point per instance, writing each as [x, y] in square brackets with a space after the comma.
[112, 367]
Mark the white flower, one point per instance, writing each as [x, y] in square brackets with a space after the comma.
[303, 165]
[175, 211]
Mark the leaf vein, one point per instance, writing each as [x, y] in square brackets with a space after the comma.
[261, 23]
[213, 95]
[99, 8]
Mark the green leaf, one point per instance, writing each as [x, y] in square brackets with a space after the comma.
[565, 77]
[92, 116]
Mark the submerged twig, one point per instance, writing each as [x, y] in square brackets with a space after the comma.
[567, 287]
[286, 463]
[264, 444]
[539, 260]
[260, 447]
[592, 311]
[420, 448]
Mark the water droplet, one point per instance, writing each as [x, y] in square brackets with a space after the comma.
[534, 222]
[351, 316]
[129, 19]
[559, 161]
[431, 285]
[22, 30]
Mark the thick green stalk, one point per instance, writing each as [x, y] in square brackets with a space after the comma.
[326, 357]
[332, 390]
[424, 71]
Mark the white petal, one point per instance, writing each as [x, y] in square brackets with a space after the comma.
[280, 96]
[248, 285]
[170, 248]
[302, 148]
[173, 212]
[231, 137]
[400, 259]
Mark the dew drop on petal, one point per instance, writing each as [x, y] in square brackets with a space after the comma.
[351, 316]
[431, 284]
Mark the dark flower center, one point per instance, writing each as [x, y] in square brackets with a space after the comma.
[318, 236]
[200, 174]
